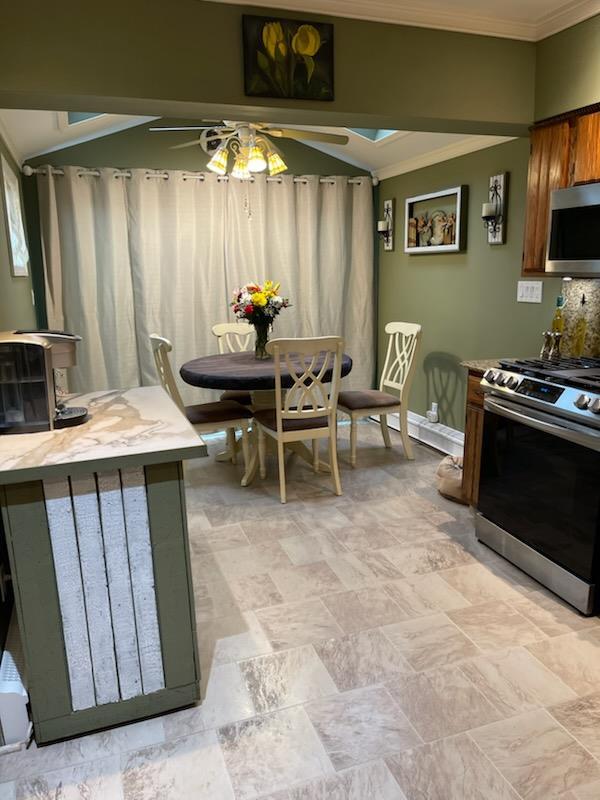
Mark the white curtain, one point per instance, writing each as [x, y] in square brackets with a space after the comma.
[129, 256]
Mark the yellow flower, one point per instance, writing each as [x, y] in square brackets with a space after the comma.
[306, 41]
[259, 299]
[274, 39]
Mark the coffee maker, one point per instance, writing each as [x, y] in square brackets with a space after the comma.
[28, 401]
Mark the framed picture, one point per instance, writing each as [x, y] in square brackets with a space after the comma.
[287, 58]
[436, 222]
[13, 214]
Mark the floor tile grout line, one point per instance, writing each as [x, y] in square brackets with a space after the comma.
[572, 735]
[558, 677]
[496, 768]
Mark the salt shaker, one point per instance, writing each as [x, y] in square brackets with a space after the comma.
[547, 346]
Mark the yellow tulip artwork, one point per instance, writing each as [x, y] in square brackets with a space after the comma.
[288, 58]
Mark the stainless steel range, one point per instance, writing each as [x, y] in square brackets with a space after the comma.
[539, 495]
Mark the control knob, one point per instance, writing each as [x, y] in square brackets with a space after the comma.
[582, 401]
[595, 406]
[490, 375]
[512, 382]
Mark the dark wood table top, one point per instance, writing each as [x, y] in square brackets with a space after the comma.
[241, 371]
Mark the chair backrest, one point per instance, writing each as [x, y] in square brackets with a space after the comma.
[307, 361]
[161, 348]
[233, 337]
[400, 360]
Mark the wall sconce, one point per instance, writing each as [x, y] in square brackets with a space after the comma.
[493, 213]
[385, 226]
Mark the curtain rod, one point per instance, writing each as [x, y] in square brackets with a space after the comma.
[199, 176]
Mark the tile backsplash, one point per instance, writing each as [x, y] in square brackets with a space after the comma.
[591, 289]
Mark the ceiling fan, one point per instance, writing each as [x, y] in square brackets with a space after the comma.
[249, 142]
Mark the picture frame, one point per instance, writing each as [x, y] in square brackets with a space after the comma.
[436, 222]
[287, 58]
[18, 252]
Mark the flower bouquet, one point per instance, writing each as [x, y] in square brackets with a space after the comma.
[259, 305]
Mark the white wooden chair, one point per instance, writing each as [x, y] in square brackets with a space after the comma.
[224, 415]
[307, 410]
[234, 337]
[398, 371]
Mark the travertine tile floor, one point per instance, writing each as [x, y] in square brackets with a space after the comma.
[356, 648]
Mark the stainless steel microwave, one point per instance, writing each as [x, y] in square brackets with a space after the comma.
[574, 231]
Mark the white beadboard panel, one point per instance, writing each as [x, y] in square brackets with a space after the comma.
[93, 573]
[65, 552]
[142, 577]
[119, 584]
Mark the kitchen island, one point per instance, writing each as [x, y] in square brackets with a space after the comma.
[95, 523]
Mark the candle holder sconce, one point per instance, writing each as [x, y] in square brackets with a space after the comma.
[385, 226]
[493, 213]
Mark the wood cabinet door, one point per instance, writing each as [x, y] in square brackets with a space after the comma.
[548, 170]
[472, 453]
[587, 149]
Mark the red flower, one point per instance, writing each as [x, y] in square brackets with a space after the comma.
[249, 309]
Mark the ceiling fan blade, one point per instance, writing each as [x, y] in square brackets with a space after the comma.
[185, 144]
[188, 128]
[316, 136]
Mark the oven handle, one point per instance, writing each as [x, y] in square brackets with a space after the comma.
[570, 431]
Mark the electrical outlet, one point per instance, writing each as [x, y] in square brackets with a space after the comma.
[529, 291]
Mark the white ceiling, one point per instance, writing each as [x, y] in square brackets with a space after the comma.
[403, 151]
[516, 19]
[32, 133]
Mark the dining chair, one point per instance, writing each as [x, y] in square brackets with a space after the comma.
[307, 410]
[224, 415]
[398, 371]
[234, 337]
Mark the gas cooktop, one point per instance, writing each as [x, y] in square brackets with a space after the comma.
[564, 387]
[581, 373]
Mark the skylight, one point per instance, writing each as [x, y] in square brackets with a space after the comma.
[374, 134]
[73, 117]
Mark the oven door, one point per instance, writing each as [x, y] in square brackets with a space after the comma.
[540, 483]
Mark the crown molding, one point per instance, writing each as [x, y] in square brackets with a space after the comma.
[408, 14]
[572, 14]
[470, 144]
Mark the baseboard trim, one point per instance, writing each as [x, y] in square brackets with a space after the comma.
[434, 434]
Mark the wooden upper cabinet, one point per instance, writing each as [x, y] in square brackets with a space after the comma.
[548, 170]
[586, 148]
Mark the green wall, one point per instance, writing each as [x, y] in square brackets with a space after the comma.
[16, 307]
[138, 147]
[466, 302]
[568, 70]
[172, 58]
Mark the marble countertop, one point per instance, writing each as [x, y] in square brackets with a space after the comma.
[124, 428]
[481, 364]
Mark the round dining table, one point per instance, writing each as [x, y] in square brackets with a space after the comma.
[243, 372]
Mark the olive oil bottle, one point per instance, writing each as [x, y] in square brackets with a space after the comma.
[580, 329]
[558, 320]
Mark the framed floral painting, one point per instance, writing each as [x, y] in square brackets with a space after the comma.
[287, 58]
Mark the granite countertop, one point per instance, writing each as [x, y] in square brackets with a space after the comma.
[124, 428]
[480, 365]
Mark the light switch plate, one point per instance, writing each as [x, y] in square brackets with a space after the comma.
[529, 291]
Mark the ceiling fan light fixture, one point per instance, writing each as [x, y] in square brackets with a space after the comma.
[218, 162]
[240, 168]
[275, 163]
[256, 159]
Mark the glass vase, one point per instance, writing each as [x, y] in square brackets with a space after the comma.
[262, 337]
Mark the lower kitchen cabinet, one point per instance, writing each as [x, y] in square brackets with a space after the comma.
[473, 437]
